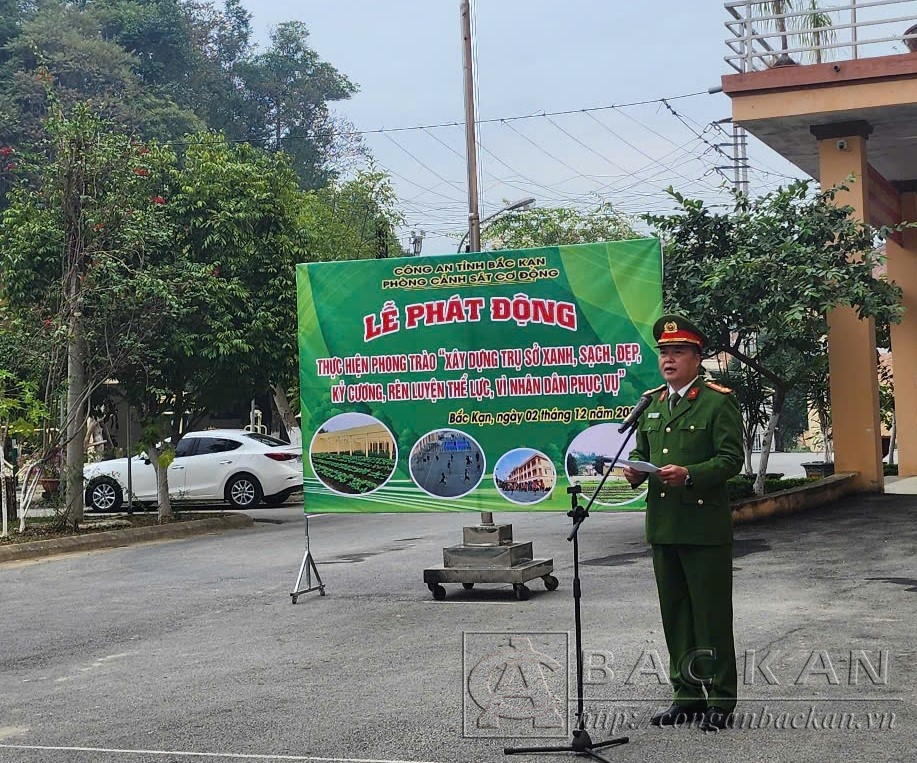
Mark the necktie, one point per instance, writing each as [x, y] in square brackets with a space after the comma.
[673, 401]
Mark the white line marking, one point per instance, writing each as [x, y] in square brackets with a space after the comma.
[234, 755]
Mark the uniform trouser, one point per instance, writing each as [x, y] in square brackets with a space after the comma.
[695, 597]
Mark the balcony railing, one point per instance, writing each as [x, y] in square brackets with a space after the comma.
[762, 39]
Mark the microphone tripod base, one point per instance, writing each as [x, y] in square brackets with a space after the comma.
[582, 744]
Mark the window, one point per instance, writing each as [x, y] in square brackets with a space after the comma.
[185, 447]
[216, 445]
[264, 439]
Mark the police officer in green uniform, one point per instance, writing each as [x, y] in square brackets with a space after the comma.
[693, 431]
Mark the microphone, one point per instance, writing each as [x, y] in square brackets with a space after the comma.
[642, 404]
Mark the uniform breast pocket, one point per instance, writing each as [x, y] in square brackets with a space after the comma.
[650, 425]
[693, 438]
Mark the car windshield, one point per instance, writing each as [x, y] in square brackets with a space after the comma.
[266, 439]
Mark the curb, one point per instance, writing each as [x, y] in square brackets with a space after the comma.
[794, 499]
[117, 538]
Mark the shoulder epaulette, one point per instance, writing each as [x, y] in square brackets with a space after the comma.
[654, 390]
[718, 388]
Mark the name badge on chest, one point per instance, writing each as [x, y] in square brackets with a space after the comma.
[653, 415]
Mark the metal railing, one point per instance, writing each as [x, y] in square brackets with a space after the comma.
[763, 39]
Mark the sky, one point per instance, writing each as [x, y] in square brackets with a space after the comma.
[569, 101]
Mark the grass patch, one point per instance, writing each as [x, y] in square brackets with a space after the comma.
[49, 528]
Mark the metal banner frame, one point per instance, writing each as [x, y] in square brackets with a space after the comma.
[307, 569]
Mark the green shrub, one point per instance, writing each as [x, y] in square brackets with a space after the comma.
[890, 470]
[742, 486]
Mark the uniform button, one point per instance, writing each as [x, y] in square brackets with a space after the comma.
[700, 501]
[669, 429]
[665, 450]
[691, 427]
[662, 495]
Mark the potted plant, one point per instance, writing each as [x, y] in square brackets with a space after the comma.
[50, 482]
[910, 42]
[818, 397]
[50, 479]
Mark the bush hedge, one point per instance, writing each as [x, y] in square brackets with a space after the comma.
[742, 486]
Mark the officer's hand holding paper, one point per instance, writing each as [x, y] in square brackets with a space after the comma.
[638, 466]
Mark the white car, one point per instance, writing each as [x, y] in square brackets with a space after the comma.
[233, 465]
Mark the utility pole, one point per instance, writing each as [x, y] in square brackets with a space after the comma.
[474, 218]
[471, 154]
[740, 158]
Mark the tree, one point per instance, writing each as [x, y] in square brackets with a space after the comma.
[77, 239]
[555, 226]
[752, 394]
[809, 25]
[290, 87]
[772, 269]
[164, 68]
[70, 44]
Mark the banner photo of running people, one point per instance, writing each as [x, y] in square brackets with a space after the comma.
[485, 381]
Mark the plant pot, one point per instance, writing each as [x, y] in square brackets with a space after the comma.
[911, 44]
[783, 60]
[818, 469]
[50, 486]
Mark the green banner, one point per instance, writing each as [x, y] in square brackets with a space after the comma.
[488, 381]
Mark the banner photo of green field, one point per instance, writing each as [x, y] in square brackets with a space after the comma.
[488, 381]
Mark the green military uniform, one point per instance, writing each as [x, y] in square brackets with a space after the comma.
[690, 529]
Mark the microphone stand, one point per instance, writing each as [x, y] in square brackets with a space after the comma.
[582, 743]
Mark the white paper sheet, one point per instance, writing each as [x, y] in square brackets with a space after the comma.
[640, 466]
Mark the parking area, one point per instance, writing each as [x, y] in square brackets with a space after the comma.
[187, 649]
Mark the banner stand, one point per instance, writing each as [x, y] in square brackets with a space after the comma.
[307, 569]
[488, 554]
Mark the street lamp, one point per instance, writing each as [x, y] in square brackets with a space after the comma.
[521, 204]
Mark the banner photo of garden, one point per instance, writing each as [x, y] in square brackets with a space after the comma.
[486, 381]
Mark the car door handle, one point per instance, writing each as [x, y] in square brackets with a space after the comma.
[176, 468]
[224, 463]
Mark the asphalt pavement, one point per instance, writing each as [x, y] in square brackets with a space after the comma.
[191, 649]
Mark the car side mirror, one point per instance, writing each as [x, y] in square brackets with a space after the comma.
[147, 461]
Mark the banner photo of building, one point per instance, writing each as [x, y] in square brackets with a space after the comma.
[488, 381]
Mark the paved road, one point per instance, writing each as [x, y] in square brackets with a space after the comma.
[167, 650]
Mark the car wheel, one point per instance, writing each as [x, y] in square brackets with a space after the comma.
[104, 494]
[243, 491]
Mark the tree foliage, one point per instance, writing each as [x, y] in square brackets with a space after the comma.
[556, 226]
[185, 264]
[164, 68]
[761, 279]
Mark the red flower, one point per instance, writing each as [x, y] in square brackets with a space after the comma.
[12, 166]
[143, 150]
[158, 200]
[142, 171]
[5, 151]
[215, 272]
[98, 226]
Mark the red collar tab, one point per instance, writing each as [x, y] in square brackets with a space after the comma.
[693, 393]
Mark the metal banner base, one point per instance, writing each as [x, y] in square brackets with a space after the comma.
[307, 569]
[489, 555]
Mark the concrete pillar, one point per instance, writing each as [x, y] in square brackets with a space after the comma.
[851, 341]
[902, 269]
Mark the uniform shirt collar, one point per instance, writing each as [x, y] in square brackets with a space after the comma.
[684, 390]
